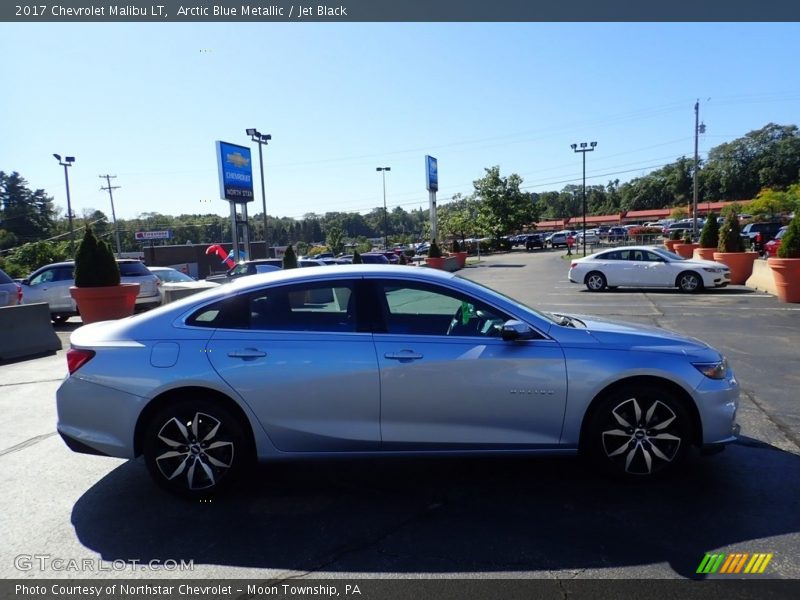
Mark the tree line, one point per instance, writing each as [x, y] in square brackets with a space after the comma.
[767, 158]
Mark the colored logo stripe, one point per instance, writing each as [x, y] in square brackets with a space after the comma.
[734, 563]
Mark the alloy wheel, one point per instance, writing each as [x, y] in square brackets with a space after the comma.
[642, 440]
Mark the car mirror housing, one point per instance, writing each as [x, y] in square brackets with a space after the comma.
[514, 330]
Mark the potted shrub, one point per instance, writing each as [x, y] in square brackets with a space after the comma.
[730, 250]
[289, 258]
[435, 258]
[709, 238]
[97, 291]
[786, 266]
[357, 260]
[686, 247]
[674, 238]
[461, 254]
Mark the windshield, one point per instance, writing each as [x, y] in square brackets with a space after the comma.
[172, 276]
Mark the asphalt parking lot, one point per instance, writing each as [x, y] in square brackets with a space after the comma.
[481, 518]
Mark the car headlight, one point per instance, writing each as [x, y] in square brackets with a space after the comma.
[714, 269]
[715, 370]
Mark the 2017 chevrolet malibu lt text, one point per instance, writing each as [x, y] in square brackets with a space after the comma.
[380, 360]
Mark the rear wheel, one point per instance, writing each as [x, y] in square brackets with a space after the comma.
[689, 282]
[638, 432]
[194, 447]
[595, 281]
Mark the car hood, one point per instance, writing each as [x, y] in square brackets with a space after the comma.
[618, 334]
[699, 262]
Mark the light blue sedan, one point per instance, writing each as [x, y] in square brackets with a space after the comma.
[378, 360]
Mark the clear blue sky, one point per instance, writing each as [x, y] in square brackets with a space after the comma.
[146, 102]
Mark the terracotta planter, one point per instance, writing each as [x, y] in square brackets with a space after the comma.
[436, 263]
[462, 259]
[786, 273]
[740, 264]
[685, 250]
[105, 303]
[670, 244]
[704, 253]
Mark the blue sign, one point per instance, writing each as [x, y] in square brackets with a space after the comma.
[235, 172]
[431, 174]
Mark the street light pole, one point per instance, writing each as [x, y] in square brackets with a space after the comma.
[261, 139]
[113, 213]
[67, 162]
[385, 227]
[584, 148]
[698, 129]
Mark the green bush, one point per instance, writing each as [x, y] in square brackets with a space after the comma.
[709, 236]
[730, 235]
[675, 235]
[357, 260]
[434, 251]
[456, 246]
[687, 237]
[790, 242]
[95, 265]
[289, 258]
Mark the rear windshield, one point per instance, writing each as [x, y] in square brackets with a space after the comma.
[133, 269]
[5, 278]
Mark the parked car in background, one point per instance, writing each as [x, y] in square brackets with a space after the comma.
[680, 227]
[374, 258]
[174, 279]
[589, 235]
[533, 241]
[616, 234]
[260, 265]
[382, 360]
[755, 235]
[557, 239]
[10, 291]
[770, 249]
[51, 284]
[645, 267]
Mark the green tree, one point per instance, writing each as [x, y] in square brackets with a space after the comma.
[730, 234]
[289, 258]
[26, 214]
[770, 202]
[709, 236]
[334, 239]
[504, 207]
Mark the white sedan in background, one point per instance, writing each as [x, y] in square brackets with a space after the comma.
[644, 266]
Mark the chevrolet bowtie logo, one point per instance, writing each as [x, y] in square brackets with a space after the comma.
[236, 158]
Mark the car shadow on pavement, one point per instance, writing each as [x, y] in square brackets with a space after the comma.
[445, 516]
[726, 291]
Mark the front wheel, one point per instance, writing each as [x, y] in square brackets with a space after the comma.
[638, 432]
[689, 282]
[194, 447]
[595, 281]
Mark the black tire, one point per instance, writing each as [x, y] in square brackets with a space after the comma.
[206, 451]
[59, 319]
[595, 281]
[638, 432]
[689, 282]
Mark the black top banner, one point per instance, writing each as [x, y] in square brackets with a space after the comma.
[299, 11]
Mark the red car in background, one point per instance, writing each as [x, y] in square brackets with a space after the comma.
[771, 247]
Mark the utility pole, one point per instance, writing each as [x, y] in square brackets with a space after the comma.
[698, 129]
[108, 179]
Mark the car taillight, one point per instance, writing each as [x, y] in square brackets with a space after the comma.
[573, 265]
[76, 358]
[19, 294]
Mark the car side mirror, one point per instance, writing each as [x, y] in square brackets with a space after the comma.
[25, 281]
[514, 330]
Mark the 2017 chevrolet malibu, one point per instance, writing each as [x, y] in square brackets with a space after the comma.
[644, 266]
[380, 360]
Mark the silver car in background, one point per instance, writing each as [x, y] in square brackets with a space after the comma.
[10, 291]
[51, 284]
[379, 360]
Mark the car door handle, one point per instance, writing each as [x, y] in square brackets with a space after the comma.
[403, 355]
[247, 353]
